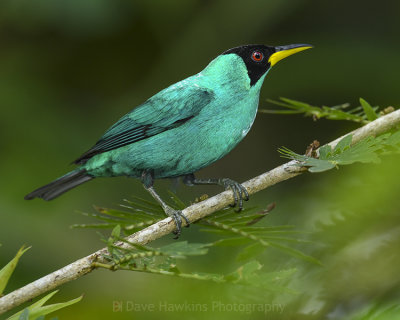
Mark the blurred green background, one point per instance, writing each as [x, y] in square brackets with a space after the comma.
[70, 69]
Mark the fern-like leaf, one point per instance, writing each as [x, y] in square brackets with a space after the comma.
[368, 150]
[361, 114]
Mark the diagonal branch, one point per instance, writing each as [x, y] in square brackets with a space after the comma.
[194, 212]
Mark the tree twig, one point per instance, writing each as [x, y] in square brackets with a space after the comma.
[194, 212]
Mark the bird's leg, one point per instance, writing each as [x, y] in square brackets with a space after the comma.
[239, 192]
[177, 215]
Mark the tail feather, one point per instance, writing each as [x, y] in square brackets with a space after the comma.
[61, 185]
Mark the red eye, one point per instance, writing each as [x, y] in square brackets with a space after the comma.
[257, 56]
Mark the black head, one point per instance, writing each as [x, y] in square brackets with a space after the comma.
[258, 58]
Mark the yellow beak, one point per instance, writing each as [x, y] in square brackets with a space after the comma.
[286, 51]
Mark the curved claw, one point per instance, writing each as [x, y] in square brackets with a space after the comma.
[239, 192]
[245, 193]
[236, 194]
[186, 220]
[178, 222]
[177, 216]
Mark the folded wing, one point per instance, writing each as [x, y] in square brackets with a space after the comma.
[168, 109]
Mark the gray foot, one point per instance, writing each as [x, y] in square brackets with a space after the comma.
[239, 192]
[177, 216]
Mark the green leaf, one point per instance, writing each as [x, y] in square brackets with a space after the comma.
[320, 165]
[146, 206]
[286, 239]
[251, 251]
[244, 272]
[270, 280]
[37, 309]
[249, 274]
[94, 226]
[367, 150]
[232, 242]
[325, 152]
[24, 315]
[369, 111]
[178, 202]
[343, 144]
[116, 232]
[183, 248]
[393, 140]
[315, 165]
[216, 231]
[339, 112]
[250, 268]
[7, 270]
[364, 151]
[295, 253]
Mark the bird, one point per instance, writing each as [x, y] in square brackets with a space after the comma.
[182, 129]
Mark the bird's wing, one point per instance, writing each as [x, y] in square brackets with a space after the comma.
[168, 109]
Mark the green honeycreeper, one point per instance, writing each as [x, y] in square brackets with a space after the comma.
[183, 128]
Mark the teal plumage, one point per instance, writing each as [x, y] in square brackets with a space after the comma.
[218, 119]
[183, 128]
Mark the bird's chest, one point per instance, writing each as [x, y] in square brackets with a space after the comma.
[229, 122]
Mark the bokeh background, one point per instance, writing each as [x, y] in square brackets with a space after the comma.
[70, 69]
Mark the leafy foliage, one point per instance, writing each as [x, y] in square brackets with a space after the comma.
[37, 310]
[368, 150]
[238, 230]
[163, 261]
[137, 214]
[361, 114]
[134, 253]
[368, 110]
[249, 274]
[235, 229]
[7, 271]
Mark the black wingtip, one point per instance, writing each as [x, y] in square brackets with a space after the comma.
[29, 196]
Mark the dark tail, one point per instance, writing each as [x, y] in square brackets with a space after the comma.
[61, 185]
